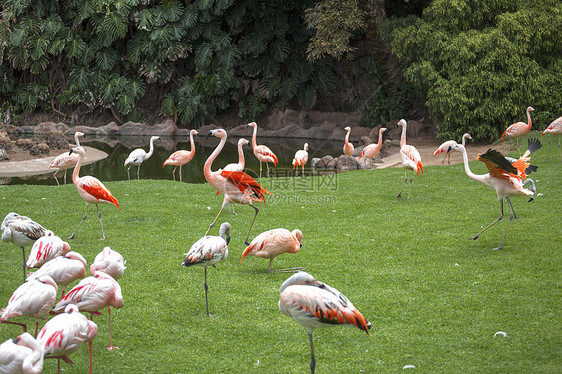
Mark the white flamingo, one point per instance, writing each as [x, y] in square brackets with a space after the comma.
[300, 159]
[21, 355]
[63, 269]
[46, 248]
[506, 178]
[446, 148]
[138, 156]
[555, 128]
[238, 166]
[411, 159]
[314, 304]
[110, 262]
[66, 161]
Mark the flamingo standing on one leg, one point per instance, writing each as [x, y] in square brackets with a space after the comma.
[208, 251]
[314, 304]
[236, 186]
[63, 269]
[348, 148]
[66, 161]
[46, 248]
[446, 148]
[272, 243]
[110, 262]
[555, 128]
[91, 190]
[92, 294]
[21, 355]
[301, 158]
[138, 156]
[65, 333]
[506, 178]
[411, 159]
[22, 231]
[262, 152]
[33, 298]
[180, 158]
[372, 150]
[519, 128]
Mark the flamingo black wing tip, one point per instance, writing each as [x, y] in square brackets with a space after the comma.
[534, 144]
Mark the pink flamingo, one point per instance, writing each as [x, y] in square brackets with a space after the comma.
[46, 248]
[348, 148]
[208, 251]
[138, 156]
[506, 178]
[272, 243]
[301, 158]
[314, 304]
[92, 294]
[65, 333]
[66, 161]
[411, 159]
[33, 298]
[91, 190]
[22, 231]
[180, 158]
[110, 262]
[555, 128]
[519, 128]
[446, 148]
[262, 152]
[236, 186]
[63, 269]
[238, 166]
[21, 355]
[372, 150]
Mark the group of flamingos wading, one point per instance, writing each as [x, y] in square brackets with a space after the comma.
[308, 301]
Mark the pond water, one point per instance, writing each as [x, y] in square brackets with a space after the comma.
[118, 148]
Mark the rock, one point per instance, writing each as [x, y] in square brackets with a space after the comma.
[345, 163]
[24, 144]
[332, 164]
[5, 143]
[56, 140]
[132, 128]
[44, 128]
[364, 163]
[25, 130]
[39, 149]
[86, 130]
[365, 140]
[2, 154]
[314, 162]
[166, 128]
[110, 129]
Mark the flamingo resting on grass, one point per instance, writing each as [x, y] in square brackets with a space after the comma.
[519, 128]
[446, 148]
[110, 262]
[301, 158]
[180, 158]
[262, 152]
[272, 243]
[92, 294]
[208, 251]
[314, 304]
[348, 148]
[65, 333]
[21, 355]
[66, 161]
[555, 128]
[45, 249]
[91, 190]
[22, 231]
[372, 150]
[411, 159]
[505, 177]
[236, 186]
[63, 269]
[33, 298]
[138, 156]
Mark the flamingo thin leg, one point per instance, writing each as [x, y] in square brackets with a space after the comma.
[491, 224]
[111, 346]
[410, 188]
[65, 177]
[58, 184]
[206, 292]
[128, 174]
[23, 325]
[83, 219]
[24, 267]
[101, 225]
[180, 172]
[174, 173]
[250, 229]
[213, 223]
[90, 349]
[312, 358]
[138, 172]
[405, 180]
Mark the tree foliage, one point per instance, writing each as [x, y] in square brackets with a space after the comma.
[186, 59]
[481, 63]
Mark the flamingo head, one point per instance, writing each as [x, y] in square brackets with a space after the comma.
[298, 234]
[193, 132]
[347, 128]
[383, 129]
[242, 141]
[79, 134]
[305, 146]
[77, 150]
[252, 124]
[402, 122]
[219, 133]
[530, 109]
[153, 138]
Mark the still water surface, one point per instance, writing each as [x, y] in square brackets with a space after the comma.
[118, 148]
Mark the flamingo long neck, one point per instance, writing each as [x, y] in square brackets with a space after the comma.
[207, 166]
[403, 137]
[476, 177]
[151, 148]
[192, 143]
[76, 140]
[347, 136]
[529, 123]
[463, 141]
[379, 144]
[75, 176]
[254, 141]
[241, 160]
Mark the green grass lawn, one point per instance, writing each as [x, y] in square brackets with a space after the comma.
[435, 299]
